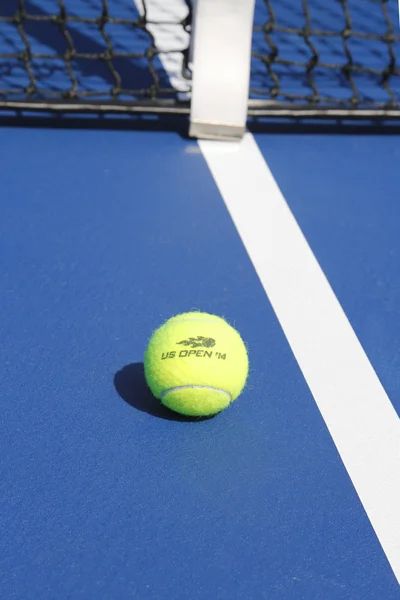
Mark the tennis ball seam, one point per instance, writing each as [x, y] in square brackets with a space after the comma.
[195, 387]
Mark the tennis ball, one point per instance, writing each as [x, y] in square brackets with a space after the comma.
[196, 364]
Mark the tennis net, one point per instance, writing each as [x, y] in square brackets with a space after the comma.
[113, 56]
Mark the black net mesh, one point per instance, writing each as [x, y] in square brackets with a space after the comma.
[340, 54]
[82, 51]
[124, 55]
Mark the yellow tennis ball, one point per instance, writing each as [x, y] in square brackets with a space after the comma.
[196, 364]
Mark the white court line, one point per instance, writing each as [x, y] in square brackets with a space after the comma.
[170, 37]
[360, 417]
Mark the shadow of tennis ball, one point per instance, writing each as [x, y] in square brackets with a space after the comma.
[131, 386]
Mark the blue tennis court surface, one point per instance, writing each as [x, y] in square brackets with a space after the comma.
[110, 227]
[104, 234]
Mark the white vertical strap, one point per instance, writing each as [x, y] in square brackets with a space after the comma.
[221, 42]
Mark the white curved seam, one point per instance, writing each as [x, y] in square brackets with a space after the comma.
[195, 387]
